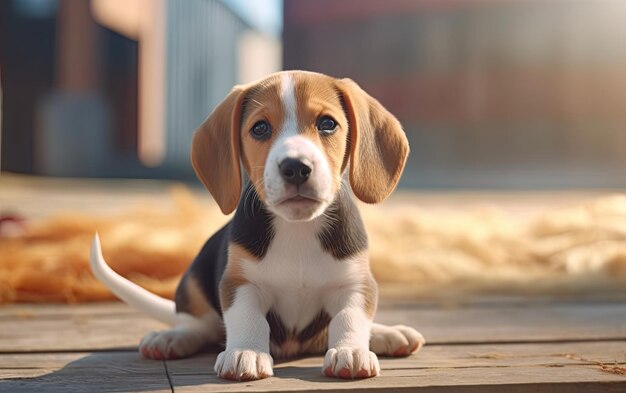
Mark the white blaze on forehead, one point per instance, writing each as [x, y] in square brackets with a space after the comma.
[288, 97]
[290, 144]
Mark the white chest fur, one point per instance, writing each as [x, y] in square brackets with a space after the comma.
[296, 277]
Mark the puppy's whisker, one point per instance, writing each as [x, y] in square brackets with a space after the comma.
[250, 197]
[247, 194]
[256, 102]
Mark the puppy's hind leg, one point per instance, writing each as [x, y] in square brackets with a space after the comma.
[186, 338]
[398, 340]
[197, 325]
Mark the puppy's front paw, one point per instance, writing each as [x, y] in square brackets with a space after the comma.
[398, 340]
[350, 363]
[243, 365]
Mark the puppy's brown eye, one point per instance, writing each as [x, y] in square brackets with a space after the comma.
[261, 130]
[326, 125]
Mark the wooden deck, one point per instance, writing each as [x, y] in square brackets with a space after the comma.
[480, 345]
[514, 345]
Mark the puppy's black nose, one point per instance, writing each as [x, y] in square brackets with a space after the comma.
[294, 171]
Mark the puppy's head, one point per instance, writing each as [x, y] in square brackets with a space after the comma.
[296, 133]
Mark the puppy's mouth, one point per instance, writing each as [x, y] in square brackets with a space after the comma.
[298, 205]
[298, 199]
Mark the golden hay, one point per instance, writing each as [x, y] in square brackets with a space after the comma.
[413, 251]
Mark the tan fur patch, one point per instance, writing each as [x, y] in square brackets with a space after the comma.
[368, 287]
[215, 151]
[370, 295]
[233, 275]
[263, 102]
[379, 148]
[317, 96]
[198, 305]
[317, 344]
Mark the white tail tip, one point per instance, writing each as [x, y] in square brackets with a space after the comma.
[155, 306]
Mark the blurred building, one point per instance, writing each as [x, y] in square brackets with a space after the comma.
[521, 93]
[117, 87]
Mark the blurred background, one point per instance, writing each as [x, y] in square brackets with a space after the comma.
[495, 94]
[515, 111]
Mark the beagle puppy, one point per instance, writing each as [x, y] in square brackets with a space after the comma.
[289, 274]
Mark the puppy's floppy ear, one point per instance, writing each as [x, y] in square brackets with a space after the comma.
[378, 145]
[215, 151]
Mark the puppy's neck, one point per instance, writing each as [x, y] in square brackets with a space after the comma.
[251, 204]
[339, 229]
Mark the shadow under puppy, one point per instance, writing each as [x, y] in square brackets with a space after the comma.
[289, 274]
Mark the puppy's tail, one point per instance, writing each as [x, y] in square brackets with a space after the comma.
[155, 306]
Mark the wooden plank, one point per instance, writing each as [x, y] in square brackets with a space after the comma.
[500, 367]
[435, 356]
[568, 367]
[81, 372]
[79, 332]
[115, 325]
[459, 356]
[519, 379]
[499, 355]
[55, 310]
[526, 321]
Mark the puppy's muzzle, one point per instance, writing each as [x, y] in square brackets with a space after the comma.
[295, 171]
